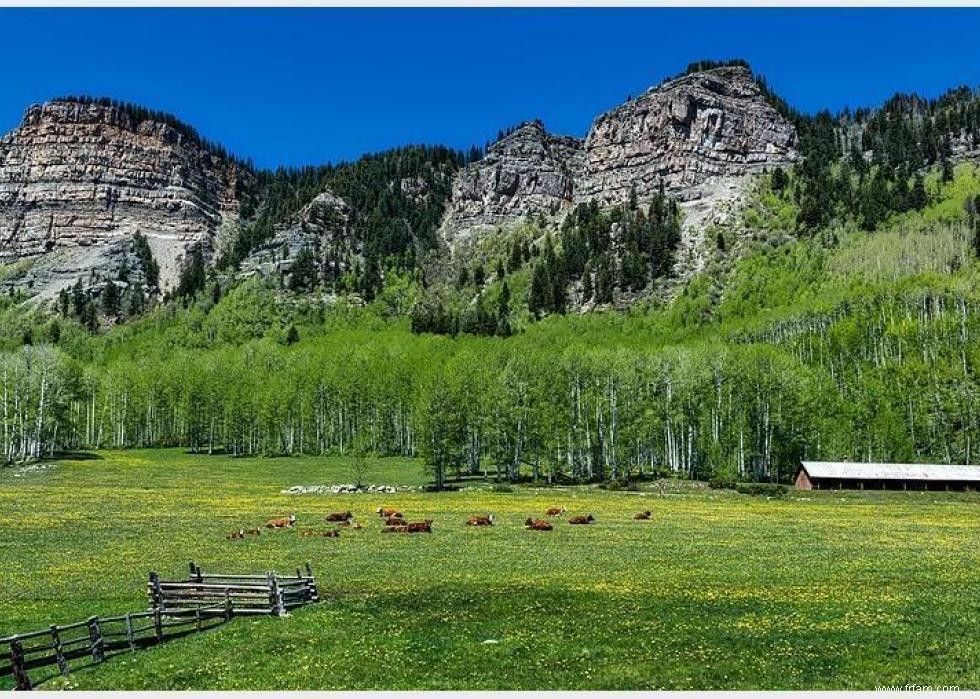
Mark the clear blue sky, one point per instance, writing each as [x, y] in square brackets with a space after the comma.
[297, 86]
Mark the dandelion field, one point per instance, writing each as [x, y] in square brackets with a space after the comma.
[718, 591]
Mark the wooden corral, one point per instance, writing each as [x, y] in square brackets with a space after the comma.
[177, 608]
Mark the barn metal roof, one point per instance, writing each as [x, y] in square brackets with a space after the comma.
[906, 472]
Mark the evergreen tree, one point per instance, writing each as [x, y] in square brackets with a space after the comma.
[193, 275]
[503, 311]
[110, 300]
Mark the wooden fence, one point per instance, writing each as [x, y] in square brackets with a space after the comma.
[270, 593]
[177, 608]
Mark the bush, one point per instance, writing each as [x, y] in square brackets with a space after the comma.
[774, 490]
[620, 484]
[722, 483]
[501, 488]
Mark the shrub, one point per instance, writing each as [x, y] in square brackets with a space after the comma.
[722, 482]
[768, 489]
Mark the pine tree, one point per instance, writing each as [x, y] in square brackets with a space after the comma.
[918, 198]
[539, 300]
[587, 283]
[604, 281]
[192, 276]
[503, 311]
[110, 300]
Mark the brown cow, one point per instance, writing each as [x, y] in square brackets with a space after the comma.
[539, 525]
[480, 521]
[386, 512]
[254, 531]
[395, 522]
[240, 534]
[642, 515]
[340, 517]
[420, 527]
[556, 511]
[400, 529]
[581, 519]
[281, 522]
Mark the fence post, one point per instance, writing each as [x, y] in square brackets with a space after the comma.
[276, 605]
[59, 651]
[197, 618]
[196, 573]
[158, 624]
[153, 589]
[129, 631]
[17, 664]
[228, 608]
[95, 636]
[314, 593]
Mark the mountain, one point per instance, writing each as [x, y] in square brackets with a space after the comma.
[792, 286]
[695, 138]
[79, 178]
[96, 193]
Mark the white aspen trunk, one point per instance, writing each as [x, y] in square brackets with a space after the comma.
[36, 451]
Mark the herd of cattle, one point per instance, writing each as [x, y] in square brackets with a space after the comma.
[394, 522]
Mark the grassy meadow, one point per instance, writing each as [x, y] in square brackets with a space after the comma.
[813, 590]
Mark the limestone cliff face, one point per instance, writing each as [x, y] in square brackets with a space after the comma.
[703, 126]
[78, 179]
[529, 171]
[323, 227]
[687, 135]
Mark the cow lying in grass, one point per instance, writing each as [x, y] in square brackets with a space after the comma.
[396, 522]
[480, 521]
[238, 534]
[556, 511]
[254, 531]
[329, 533]
[410, 528]
[386, 512]
[340, 517]
[539, 525]
[581, 519]
[642, 515]
[281, 522]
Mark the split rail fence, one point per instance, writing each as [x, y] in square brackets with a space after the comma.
[177, 608]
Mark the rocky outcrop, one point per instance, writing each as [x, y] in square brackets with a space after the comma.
[528, 171]
[79, 178]
[322, 227]
[684, 136]
[711, 124]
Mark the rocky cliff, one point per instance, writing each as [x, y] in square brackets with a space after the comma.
[687, 135]
[529, 171]
[683, 134]
[323, 227]
[78, 178]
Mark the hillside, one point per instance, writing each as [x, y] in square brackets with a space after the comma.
[770, 286]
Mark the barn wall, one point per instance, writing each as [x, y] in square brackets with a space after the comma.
[803, 481]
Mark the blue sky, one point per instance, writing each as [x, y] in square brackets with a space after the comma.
[298, 86]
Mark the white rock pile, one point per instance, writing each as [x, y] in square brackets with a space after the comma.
[344, 488]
